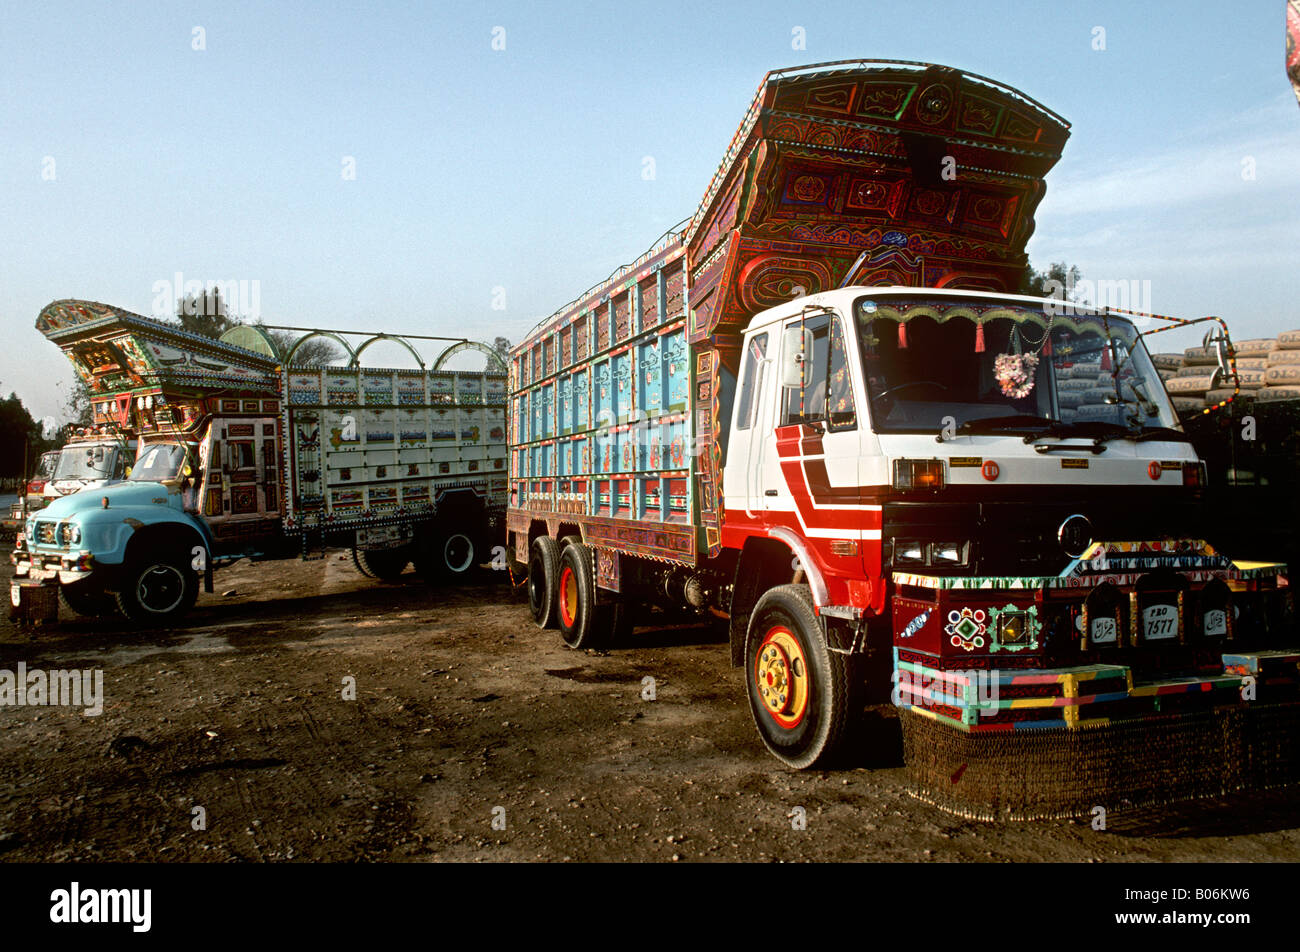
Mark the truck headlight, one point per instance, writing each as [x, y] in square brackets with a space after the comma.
[69, 533]
[910, 474]
[947, 553]
[907, 551]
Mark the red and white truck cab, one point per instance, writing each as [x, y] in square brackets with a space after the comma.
[993, 489]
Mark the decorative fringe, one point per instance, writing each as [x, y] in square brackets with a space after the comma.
[979, 338]
[902, 336]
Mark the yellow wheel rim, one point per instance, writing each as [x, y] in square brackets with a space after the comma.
[568, 596]
[781, 677]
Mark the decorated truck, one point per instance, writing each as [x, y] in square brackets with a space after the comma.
[244, 454]
[815, 411]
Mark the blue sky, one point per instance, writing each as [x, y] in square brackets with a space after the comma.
[521, 168]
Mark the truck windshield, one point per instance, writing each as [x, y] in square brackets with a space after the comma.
[85, 462]
[158, 462]
[980, 365]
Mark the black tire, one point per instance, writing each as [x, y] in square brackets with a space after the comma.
[387, 565]
[157, 590]
[361, 564]
[583, 622]
[459, 552]
[543, 571]
[801, 694]
[88, 602]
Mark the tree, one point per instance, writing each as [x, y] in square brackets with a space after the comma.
[78, 408]
[1035, 283]
[21, 439]
[205, 313]
[502, 346]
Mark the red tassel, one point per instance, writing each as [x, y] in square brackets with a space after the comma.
[979, 338]
[1105, 358]
[902, 336]
[1047, 345]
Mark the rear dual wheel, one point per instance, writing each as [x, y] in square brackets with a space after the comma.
[585, 622]
[562, 594]
[543, 579]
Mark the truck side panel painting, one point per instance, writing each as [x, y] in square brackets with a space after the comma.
[391, 444]
[242, 455]
[817, 412]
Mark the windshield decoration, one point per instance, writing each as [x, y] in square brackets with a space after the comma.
[1015, 374]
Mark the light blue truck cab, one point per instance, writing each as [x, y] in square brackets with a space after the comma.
[138, 545]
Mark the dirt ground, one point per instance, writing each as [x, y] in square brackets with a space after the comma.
[465, 714]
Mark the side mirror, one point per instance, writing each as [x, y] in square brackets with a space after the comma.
[796, 349]
[1219, 341]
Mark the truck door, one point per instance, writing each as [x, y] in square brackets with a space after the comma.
[241, 479]
[743, 485]
[818, 441]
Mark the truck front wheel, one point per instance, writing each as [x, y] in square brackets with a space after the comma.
[800, 692]
[157, 590]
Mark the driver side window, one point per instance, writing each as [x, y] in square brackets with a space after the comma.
[827, 391]
[807, 403]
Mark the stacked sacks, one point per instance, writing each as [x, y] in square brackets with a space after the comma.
[1282, 370]
[1171, 366]
[1167, 365]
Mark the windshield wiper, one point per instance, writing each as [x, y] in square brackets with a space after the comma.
[1024, 422]
[1102, 432]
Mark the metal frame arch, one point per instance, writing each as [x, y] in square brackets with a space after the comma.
[288, 358]
[356, 357]
[231, 337]
[462, 346]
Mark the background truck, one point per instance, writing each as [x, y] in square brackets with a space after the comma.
[244, 455]
[92, 457]
[816, 412]
[31, 493]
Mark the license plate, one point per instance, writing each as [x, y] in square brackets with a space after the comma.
[1160, 621]
[1104, 630]
[37, 574]
[15, 594]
